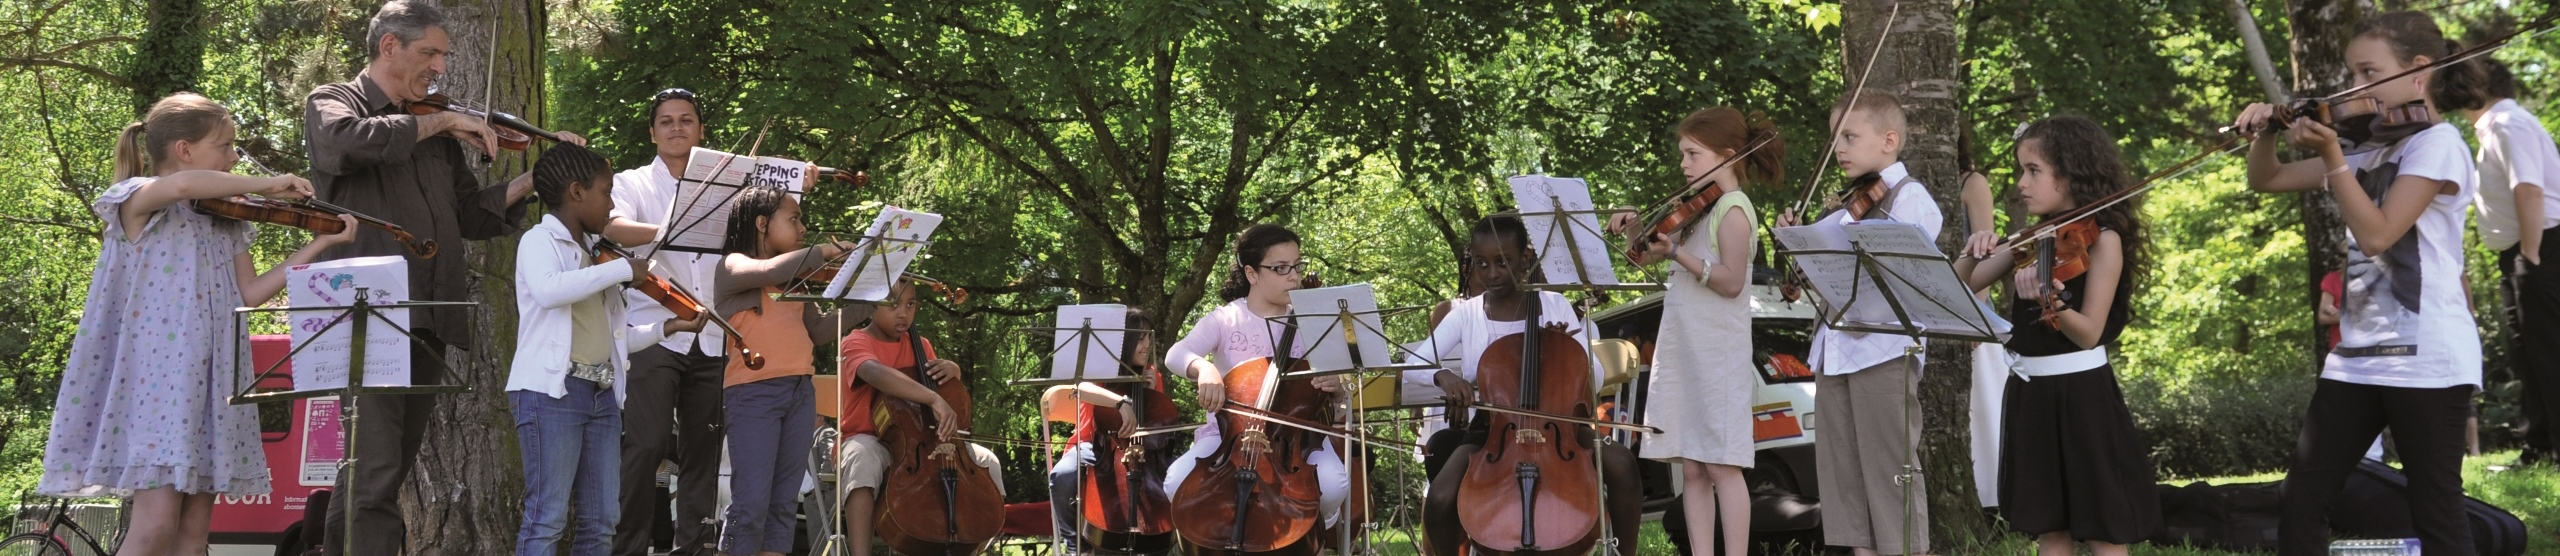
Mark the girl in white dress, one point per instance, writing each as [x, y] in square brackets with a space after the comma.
[144, 409]
[1703, 358]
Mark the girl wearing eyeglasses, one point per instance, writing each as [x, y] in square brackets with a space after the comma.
[1268, 266]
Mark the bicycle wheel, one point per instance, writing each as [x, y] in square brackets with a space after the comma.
[34, 544]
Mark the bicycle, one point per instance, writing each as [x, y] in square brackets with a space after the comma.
[49, 539]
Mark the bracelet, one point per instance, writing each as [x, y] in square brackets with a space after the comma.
[2341, 169]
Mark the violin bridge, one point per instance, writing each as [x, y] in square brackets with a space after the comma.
[1528, 436]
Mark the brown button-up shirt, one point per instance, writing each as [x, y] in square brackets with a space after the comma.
[366, 156]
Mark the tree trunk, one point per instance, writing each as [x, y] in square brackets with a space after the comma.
[466, 493]
[2321, 29]
[1918, 64]
[2254, 45]
[170, 55]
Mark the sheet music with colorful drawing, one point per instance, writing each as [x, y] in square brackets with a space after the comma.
[711, 182]
[1320, 327]
[322, 364]
[1538, 193]
[875, 263]
[1099, 353]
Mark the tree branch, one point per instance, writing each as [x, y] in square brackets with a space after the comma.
[88, 230]
[102, 75]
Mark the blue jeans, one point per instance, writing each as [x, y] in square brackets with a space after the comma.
[769, 422]
[572, 450]
[1063, 491]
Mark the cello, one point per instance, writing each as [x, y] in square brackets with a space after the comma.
[1124, 502]
[934, 498]
[1257, 493]
[1534, 489]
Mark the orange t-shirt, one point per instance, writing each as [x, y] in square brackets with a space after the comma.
[776, 332]
[855, 415]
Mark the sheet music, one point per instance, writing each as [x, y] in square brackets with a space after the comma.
[1100, 352]
[1927, 289]
[322, 364]
[788, 174]
[1931, 294]
[701, 206]
[874, 264]
[1321, 330]
[1538, 193]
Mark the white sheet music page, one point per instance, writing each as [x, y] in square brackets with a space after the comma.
[711, 182]
[1099, 352]
[1321, 332]
[1538, 193]
[875, 264]
[1930, 293]
[1834, 276]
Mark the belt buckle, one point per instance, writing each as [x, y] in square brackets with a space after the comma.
[602, 375]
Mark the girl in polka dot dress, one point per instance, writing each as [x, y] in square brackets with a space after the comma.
[142, 409]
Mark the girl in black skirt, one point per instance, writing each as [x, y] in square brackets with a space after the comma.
[2072, 466]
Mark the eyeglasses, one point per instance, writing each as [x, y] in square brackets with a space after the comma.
[672, 93]
[1284, 269]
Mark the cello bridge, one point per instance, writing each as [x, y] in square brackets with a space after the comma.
[1254, 442]
[944, 452]
[1528, 436]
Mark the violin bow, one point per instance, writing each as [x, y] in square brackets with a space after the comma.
[2051, 226]
[1496, 408]
[2538, 26]
[1310, 426]
[1814, 183]
[425, 248]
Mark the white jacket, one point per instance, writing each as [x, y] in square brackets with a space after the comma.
[552, 274]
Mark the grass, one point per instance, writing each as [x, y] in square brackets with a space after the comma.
[2532, 494]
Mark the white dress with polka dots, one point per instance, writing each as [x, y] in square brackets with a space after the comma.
[142, 401]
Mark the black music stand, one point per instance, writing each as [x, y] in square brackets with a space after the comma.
[1349, 329]
[358, 316]
[1891, 262]
[1083, 337]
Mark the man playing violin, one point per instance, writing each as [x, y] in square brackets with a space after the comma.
[370, 156]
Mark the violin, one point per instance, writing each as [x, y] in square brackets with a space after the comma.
[1676, 216]
[308, 214]
[2062, 255]
[1534, 489]
[856, 177]
[677, 300]
[1257, 493]
[512, 133]
[935, 498]
[2363, 123]
[1124, 503]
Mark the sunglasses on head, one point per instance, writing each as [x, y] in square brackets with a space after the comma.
[672, 93]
